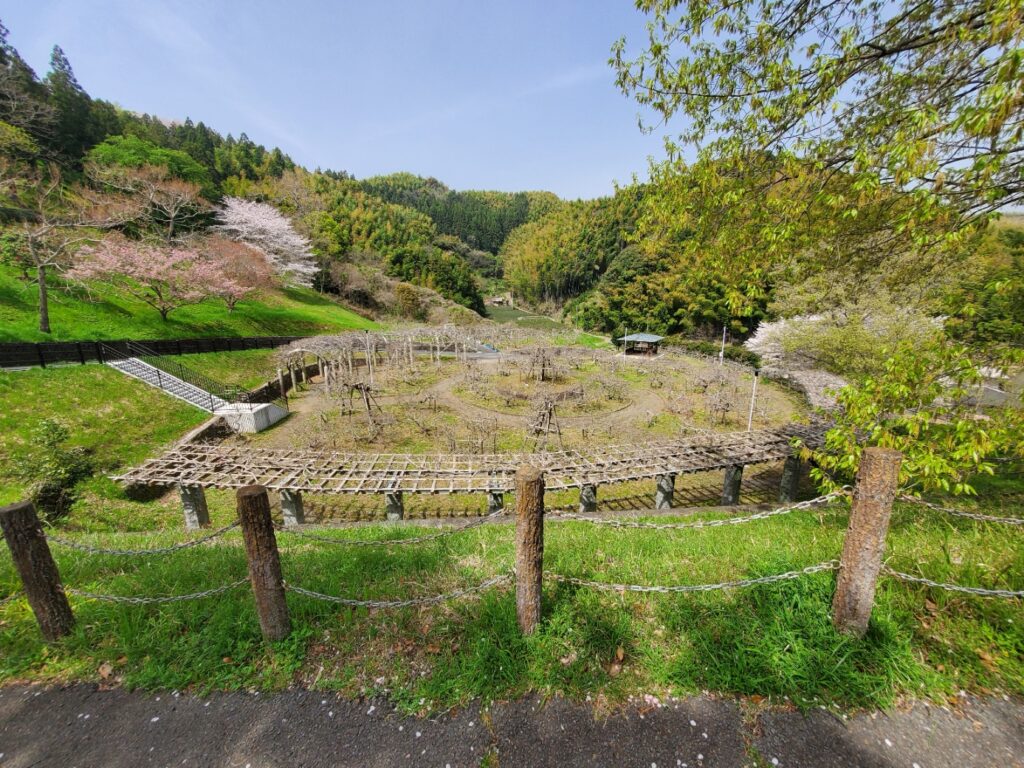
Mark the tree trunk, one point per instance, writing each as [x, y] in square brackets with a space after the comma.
[44, 301]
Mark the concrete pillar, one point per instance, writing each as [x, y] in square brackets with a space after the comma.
[790, 485]
[588, 498]
[295, 383]
[280, 383]
[193, 502]
[302, 371]
[731, 488]
[495, 502]
[292, 509]
[664, 496]
[393, 505]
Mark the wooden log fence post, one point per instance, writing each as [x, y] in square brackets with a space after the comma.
[529, 546]
[264, 561]
[39, 575]
[864, 544]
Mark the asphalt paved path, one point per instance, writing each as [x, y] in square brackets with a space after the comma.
[82, 727]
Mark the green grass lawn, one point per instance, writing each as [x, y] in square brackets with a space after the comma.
[247, 368]
[120, 420]
[771, 641]
[105, 313]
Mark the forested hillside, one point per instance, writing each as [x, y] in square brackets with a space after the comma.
[482, 220]
[77, 165]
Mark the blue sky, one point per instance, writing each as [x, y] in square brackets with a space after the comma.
[482, 95]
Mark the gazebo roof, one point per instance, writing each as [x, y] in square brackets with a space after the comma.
[650, 338]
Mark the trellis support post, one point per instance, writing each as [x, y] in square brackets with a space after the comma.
[664, 496]
[790, 485]
[529, 546]
[731, 486]
[588, 498]
[394, 505]
[193, 503]
[34, 563]
[495, 501]
[292, 509]
[864, 544]
[264, 562]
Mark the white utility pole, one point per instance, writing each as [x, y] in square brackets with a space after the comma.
[753, 399]
[721, 354]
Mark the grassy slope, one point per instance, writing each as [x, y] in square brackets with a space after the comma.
[249, 368]
[774, 640]
[119, 419]
[529, 320]
[114, 315]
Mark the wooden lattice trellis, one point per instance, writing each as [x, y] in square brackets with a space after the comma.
[233, 466]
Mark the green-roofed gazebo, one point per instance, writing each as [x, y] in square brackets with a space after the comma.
[641, 343]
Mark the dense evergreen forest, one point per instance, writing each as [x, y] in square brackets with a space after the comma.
[482, 220]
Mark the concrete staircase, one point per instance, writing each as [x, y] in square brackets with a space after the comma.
[172, 385]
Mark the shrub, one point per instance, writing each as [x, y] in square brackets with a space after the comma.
[711, 348]
[53, 469]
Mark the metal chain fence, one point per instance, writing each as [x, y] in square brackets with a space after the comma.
[962, 513]
[828, 565]
[140, 552]
[388, 542]
[432, 600]
[141, 600]
[980, 591]
[613, 523]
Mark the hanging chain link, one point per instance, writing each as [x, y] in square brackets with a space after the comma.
[442, 598]
[828, 565]
[138, 600]
[704, 523]
[10, 598]
[388, 542]
[140, 552]
[954, 587]
[962, 513]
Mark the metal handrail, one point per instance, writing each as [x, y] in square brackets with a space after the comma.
[216, 389]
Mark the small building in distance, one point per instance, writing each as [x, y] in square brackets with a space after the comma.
[641, 343]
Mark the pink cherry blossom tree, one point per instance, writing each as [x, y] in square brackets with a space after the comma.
[165, 278]
[244, 268]
[263, 226]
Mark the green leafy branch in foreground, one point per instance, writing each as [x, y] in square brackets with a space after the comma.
[925, 404]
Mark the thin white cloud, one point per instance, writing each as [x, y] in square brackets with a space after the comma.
[467, 108]
[203, 60]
